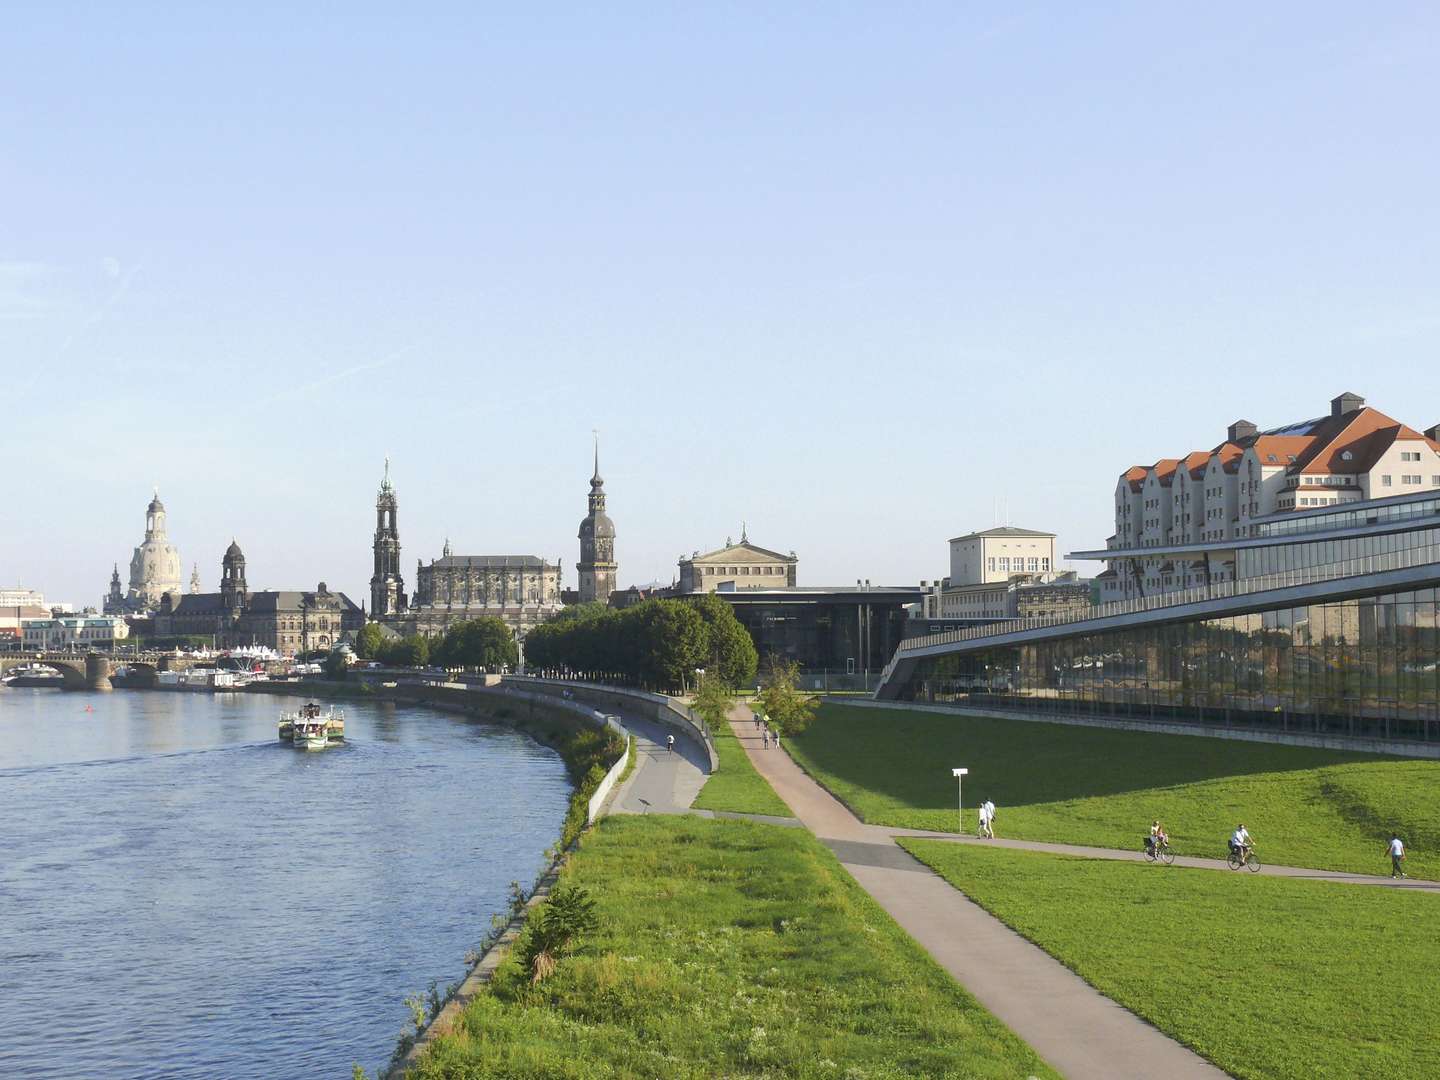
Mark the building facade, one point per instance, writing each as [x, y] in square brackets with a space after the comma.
[1354, 454]
[1002, 573]
[66, 632]
[155, 565]
[737, 566]
[1329, 625]
[289, 621]
[387, 585]
[597, 566]
[521, 590]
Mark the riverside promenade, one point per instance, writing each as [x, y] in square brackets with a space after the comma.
[1080, 1032]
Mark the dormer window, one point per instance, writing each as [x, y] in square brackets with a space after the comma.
[1346, 455]
[1270, 457]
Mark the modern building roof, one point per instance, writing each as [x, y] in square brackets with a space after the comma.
[1001, 530]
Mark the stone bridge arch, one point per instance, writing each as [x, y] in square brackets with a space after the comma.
[70, 668]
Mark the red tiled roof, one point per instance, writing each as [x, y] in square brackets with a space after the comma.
[1365, 435]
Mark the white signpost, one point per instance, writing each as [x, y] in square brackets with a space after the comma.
[960, 793]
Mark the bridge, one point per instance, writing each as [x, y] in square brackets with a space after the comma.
[92, 670]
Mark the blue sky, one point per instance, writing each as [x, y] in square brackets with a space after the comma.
[853, 274]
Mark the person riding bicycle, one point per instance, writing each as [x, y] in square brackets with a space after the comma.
[1156, 838]
[1240, 842]
[670, 743]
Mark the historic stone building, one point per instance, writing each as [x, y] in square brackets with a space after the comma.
[154, 568]
[387, 586]
[289, 622]
[597, 564]
[737, 566]
[522, 590]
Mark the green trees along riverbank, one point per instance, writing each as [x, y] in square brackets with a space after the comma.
[657, 644]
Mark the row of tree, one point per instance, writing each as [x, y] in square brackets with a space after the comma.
[485, 642]
[658, 644]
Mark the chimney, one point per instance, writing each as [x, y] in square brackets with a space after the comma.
[1241, 429]
[1346, 403]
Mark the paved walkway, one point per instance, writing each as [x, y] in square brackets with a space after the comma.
[1120, 855]
[1079, 1031]
[663, 781]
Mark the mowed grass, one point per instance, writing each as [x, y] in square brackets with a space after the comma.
[736, 786]
[1080, 785]
[728, 948]
[1266, 977]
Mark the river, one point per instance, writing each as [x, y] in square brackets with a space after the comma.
[183, 896]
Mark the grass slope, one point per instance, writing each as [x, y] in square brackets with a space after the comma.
[1326, 980]
[728, 948]
[736, 786]
[1081, 785]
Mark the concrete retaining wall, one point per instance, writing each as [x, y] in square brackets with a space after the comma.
[671, 712]
[597, 801]
[1287, 738]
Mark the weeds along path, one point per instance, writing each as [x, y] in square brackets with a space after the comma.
[1074, 1027]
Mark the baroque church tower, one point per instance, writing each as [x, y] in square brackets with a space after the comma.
[387, 587]
[597, 544]
[234, 594]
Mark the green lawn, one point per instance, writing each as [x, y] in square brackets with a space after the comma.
[736, 786]
[1082, 785]
[1324, 979]
[728, 948]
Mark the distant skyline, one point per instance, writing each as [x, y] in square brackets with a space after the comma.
[862, 278]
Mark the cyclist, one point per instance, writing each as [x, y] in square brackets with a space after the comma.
[670, 743]
[1152, 842]
[1240, 842]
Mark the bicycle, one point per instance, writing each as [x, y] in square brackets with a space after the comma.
[1160, 853]
[1235, 861]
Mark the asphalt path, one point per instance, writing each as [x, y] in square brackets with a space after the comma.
[663, 781]
[1079, 1031]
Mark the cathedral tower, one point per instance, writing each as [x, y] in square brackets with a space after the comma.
[387, 587]
[233, 593]
[597, 544]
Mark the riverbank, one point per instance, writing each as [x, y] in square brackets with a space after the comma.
[727, 948]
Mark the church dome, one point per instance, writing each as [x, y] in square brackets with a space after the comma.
[156, 506]
[233, 551]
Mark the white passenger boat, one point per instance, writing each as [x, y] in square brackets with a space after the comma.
[312, 728]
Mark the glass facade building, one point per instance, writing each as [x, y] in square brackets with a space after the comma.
[1359, 666]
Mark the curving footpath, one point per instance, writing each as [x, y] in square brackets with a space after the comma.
[1079, 1031]
[663, 781]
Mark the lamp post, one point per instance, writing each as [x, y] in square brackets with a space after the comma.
[959, 775]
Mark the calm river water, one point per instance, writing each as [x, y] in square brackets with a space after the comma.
[183, 896]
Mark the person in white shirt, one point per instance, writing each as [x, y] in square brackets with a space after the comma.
[990, 819]
[1397, 856]
[984, 821]
[1240, 841]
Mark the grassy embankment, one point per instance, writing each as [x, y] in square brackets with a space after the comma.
[1266, 977]
[727, 948]
[736, 786]
[1306, 807]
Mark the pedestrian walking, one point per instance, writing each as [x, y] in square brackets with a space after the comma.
[756, 717]
[765, 735]
[777, 740]
[990, 819]
[1397, 857]
[984, 821]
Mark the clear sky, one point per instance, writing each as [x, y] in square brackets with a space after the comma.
[855, 274]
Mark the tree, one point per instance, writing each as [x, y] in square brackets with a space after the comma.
[713, 699]
[730, 651]
[668, 641]
[484, 642]
[369, 641]
[410, 651]
[336, 663]
[788, 710]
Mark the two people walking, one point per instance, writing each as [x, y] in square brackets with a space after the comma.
[987, 819]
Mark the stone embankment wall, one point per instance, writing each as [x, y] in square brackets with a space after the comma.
[671, 712]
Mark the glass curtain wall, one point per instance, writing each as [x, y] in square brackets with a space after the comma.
[1368, 666]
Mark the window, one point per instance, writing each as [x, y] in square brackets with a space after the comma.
[992, 563]
[1409, 455]
[1409, 479]
[1385, 480]
[1045, 564]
